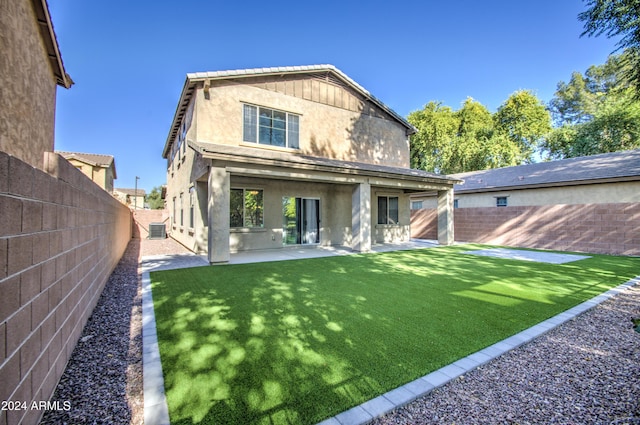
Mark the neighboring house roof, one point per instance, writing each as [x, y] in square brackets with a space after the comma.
[193, 78]
[96, 160]
[131, 192]
[313, 163]
[51, 43]
[617, 166]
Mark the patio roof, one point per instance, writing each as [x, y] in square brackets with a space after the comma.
[274, 164]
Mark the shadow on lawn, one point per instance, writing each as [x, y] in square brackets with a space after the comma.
[298, 341]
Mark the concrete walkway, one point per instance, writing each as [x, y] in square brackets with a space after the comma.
[156, 410]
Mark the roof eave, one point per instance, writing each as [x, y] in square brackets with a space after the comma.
[186, 89]
[51, 43]
[548, 185]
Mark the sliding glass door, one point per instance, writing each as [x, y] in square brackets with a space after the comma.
[301, 221]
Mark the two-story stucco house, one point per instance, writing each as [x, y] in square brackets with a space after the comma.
[31, 69]
[99, 168]
[275, 157]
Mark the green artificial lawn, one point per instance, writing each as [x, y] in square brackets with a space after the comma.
[298, 341]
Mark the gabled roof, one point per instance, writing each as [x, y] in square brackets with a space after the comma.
[93, 159]
[43, 17]
[194, 78]
[617, 166]
[131, 192]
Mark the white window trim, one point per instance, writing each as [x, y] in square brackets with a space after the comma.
[257, 127]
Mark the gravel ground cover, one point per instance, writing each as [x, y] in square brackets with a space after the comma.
[584, 372]
[103, 378]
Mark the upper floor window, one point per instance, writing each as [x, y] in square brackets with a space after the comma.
[501, 201]
[270, 127]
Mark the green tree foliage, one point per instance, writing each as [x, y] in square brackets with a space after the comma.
[472, 138]
[154, 198]
[595, 113]
[524, 120]
[617, 18]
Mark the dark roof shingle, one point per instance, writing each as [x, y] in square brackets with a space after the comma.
[610, 166]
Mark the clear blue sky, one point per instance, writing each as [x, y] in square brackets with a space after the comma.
[129, 58]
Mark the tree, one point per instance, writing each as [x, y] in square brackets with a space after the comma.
[614, 128]
[579, 100]
[594, 113]
[450, 141]
[524, 120]
[615, 18]
[430, 147]
[154, 198]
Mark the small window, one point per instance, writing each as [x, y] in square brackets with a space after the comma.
[501, 201]
[387, 210]
[174, 211]
[181, 211]
[266, 126]
[455, 203]
[246, 208]
[416, 205]
[192, 196]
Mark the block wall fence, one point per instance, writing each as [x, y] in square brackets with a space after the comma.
[592, 228]
[61, 236]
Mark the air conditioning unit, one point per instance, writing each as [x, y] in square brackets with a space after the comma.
[157, 231]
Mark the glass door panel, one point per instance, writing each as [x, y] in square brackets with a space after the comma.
[300, 221]
[311, 221]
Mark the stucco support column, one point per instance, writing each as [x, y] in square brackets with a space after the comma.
[218, 208]
[445, 217]
[361, 217]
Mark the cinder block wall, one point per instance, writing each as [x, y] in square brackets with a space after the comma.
[594, 228]
[61, 236]
[142, 219]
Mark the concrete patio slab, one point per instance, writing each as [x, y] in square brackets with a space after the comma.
[520, 254]
[313, 251]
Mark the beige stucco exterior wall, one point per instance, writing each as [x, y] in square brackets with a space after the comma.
[27, 97]
[335, 215]
[325, 131]
[190, 171]
[602, 193]
[390, 232]
[101, 176]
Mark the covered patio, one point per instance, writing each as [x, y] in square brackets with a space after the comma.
[347, 194]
